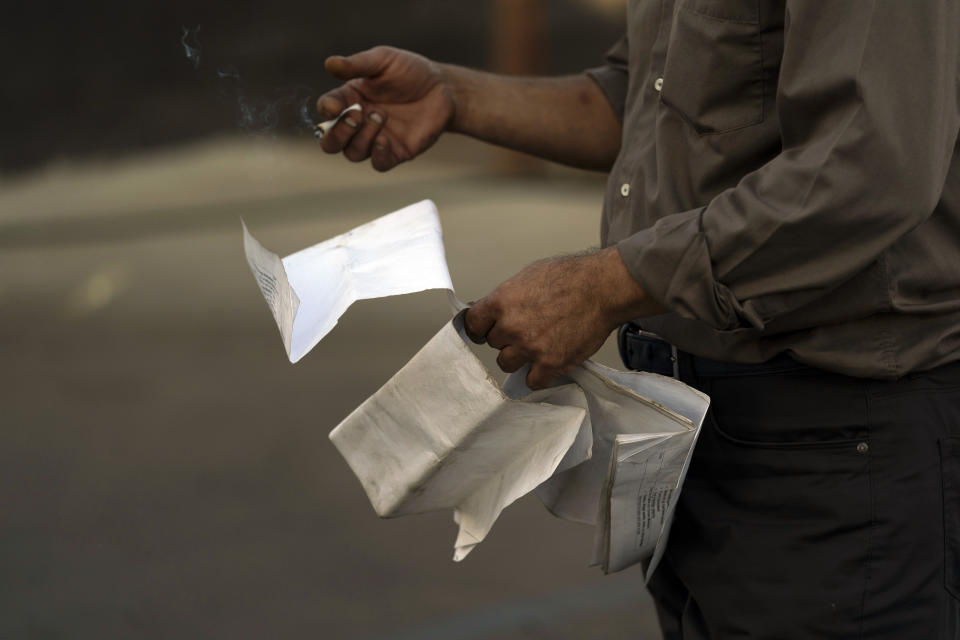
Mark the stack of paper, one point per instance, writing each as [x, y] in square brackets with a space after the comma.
[644, 427]
[605, 447]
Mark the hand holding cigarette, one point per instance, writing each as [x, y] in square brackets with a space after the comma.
[403, 103]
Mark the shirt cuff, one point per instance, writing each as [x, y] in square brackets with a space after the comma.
[613, 82]
[671, 261]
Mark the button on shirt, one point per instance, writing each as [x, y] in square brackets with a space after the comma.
[781, 188]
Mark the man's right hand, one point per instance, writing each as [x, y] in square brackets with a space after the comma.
[407, 103]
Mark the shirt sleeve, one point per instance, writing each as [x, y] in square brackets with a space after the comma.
[867, 100]
[614, 76]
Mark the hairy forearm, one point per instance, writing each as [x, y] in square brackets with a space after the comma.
[566, 119]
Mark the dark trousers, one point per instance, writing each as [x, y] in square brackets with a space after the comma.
[816, 505]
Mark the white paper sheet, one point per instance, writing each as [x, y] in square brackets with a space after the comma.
[639, 497]
[271, 277]
[399, 253]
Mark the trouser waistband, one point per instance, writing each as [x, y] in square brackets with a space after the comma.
[644, 351]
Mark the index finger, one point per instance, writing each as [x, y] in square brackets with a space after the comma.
[332, 103]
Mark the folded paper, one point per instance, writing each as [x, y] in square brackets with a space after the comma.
[442, 434]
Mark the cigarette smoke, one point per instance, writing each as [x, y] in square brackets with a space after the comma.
[192, 51]
[286, 107]
[305, 111]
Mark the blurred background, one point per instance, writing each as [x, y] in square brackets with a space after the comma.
[164, 470]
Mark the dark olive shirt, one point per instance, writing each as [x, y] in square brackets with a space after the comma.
[789, 178]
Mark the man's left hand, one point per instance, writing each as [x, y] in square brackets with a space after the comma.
[556, 313]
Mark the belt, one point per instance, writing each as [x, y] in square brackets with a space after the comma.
[644, 351]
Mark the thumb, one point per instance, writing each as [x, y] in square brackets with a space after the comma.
[365, 64]
[478, 321]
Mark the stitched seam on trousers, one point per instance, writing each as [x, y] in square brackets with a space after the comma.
[944, 497]
[948, 488]
[786, 368]
[789, 445]
[925, 390]
[873, 515]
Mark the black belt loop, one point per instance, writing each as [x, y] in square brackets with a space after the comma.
[622, 342]
[687, 371]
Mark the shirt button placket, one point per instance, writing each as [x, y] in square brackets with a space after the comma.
[625, 189]
[658, 84]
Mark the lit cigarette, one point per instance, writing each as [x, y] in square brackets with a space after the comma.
[320, 129]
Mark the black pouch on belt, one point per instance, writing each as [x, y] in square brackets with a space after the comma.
[646, 352]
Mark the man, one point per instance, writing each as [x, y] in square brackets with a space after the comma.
[784, 208]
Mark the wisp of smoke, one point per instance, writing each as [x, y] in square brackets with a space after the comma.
[228, 73]
[192, 51]
[289, 107]
[305, 113]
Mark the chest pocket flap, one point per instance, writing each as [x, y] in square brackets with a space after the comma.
[713, 71]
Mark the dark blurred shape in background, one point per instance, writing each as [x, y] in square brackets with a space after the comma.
[111, 76]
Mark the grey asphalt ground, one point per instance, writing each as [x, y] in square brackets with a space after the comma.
[165, 471]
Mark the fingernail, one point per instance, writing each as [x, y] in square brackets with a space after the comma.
[376, 117]
[351, 122]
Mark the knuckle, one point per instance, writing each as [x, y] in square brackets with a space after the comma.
[528, 337]
[330, 103]
[508, 326]
[481, 306]
[537, 350]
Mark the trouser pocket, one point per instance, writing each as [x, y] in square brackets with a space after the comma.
[950, 468]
